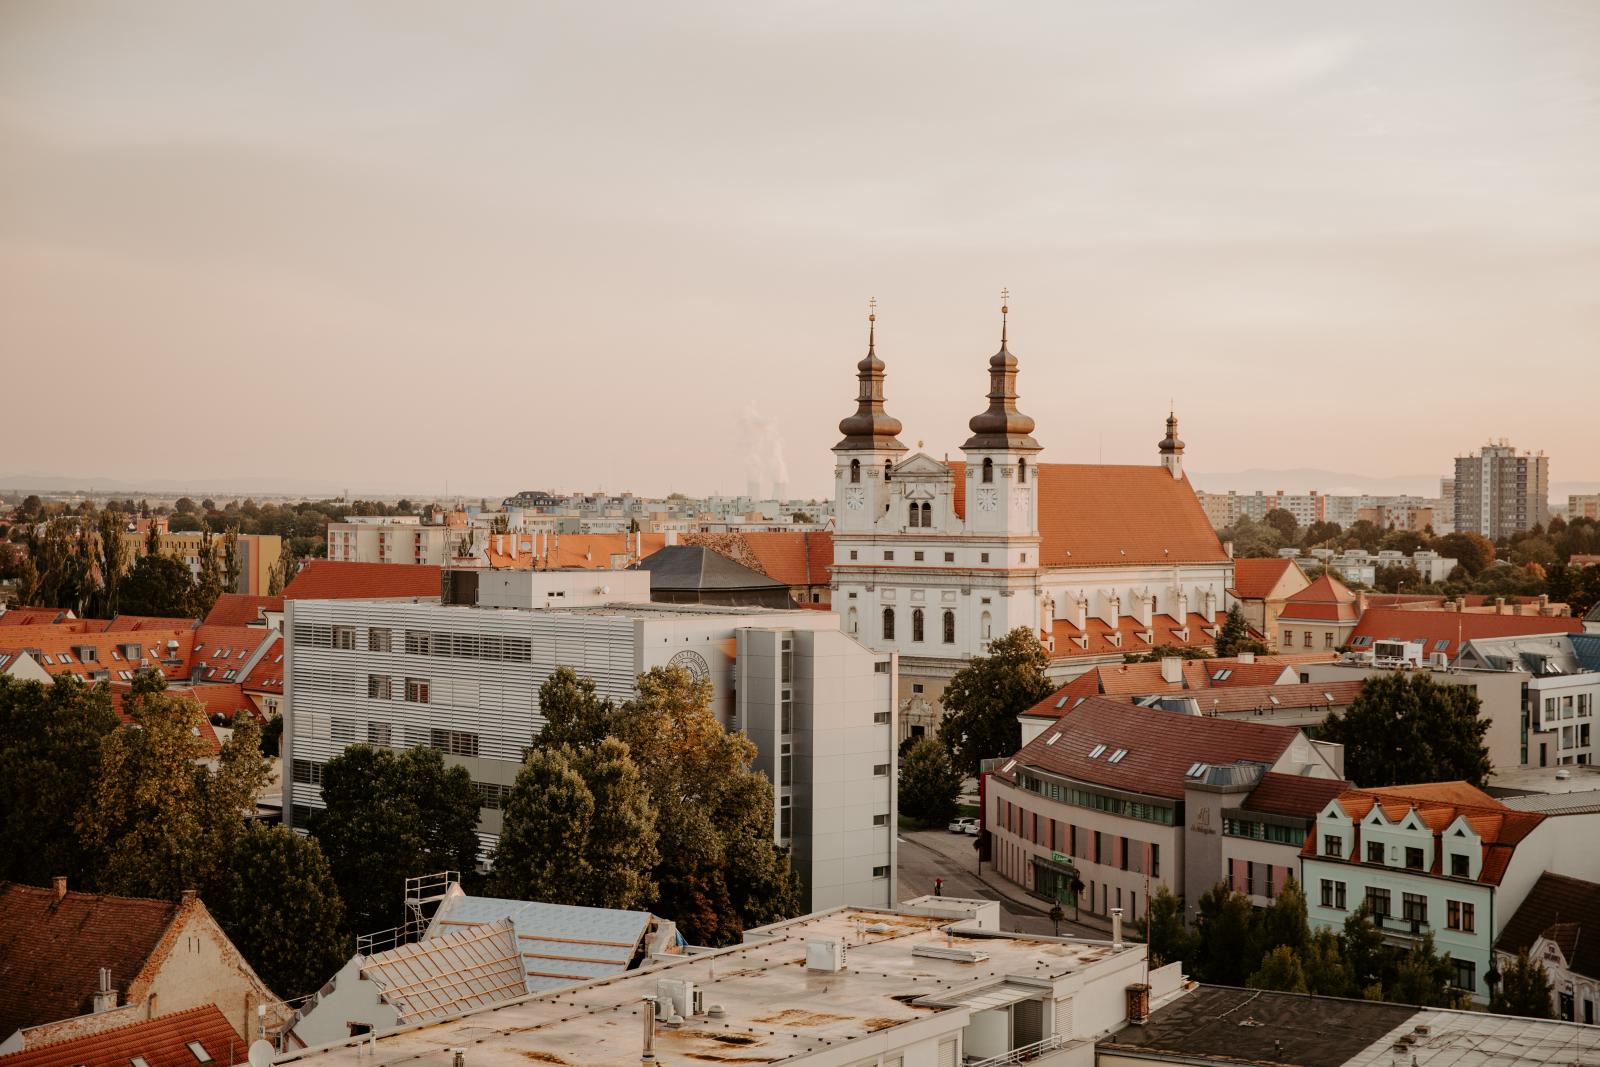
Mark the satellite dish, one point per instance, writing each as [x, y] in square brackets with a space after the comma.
[261, 1053]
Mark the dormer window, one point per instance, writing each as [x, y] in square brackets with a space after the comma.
[1332, 845]
[988, 471]
[1460, 867]
[1374, 851]
[1414, 858]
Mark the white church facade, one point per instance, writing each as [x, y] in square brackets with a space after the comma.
[933, 559]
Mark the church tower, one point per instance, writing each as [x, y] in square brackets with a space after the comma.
[870, 448]
[1001, 468]
[1171, 448]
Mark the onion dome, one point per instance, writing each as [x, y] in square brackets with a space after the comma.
[1002, 426]
[1170, 445]
[871, 427]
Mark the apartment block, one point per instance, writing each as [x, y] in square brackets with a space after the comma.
[1500, 491]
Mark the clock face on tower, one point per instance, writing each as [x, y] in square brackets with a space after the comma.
[854, 498]
[988, 499]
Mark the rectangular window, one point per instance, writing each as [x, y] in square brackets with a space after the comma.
[949, 557]
[1414, 858]
[1327, 640]
[786, 770]
[419, 643]
[1465, 974]
[1378, 902]
[417, 690]
[307, 772]
[880, 770]
[786, 823]
[853, 554]
[344, 637]
[880, 820]
[492, 796]
[380, 687]
[379, 640]
[916, 557]
[1374, 851]
[343, 730]
[1332, 845]
[888, 555]
[1327, 892]
[1414, 907]
[1338, 895]
[379, 733]
[455, 742]
[880, 717]
[1469, 918]
[880, 872]
[786, 712]
[1459, 867]
[983, 557]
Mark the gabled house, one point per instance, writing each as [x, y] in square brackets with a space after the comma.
[1262, 587]
[198, 1037]
[1558, 926]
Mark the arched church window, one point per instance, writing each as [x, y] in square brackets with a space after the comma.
[888, 470]
[916, 624]
[986, 626]
[855, 472]
[988, 470]
[888, 624]
[852, 621]
[915, 518]
[1022, 471]
[927, 516]
[949, 627]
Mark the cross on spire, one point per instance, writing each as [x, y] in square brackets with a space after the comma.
[1005, 309]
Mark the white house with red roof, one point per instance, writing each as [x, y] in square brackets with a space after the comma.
[932, 559]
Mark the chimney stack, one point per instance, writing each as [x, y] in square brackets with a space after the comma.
[1116, 929]
[1171, 669]
[60, 882]
[188, 896]
[105, 998]
[647, 1057]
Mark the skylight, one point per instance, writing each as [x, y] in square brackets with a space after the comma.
[1441, 644]
[1116, 757]
[1197, 770]
[199, 1051]
[1095, 752]
[1053, 739]
[1328, 697]
[1222, 675]
[1080, 700]
[1007, 768]
[138, 1061]
[1274, 699]
[1061, 703]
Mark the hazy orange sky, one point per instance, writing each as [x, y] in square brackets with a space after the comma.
[513, 245]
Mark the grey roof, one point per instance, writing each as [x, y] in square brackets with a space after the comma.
[1586, 647]
[560, 943]
[1556, 803]
[696, 568]
[464, 969]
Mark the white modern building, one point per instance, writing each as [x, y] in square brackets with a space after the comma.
[930, 984]
[464, 677]
[935, 558]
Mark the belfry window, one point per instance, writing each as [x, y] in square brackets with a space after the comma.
[988, 470]
[1022, 471]
[855, 472]
[888, 470]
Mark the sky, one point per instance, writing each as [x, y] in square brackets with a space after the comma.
[497, 246]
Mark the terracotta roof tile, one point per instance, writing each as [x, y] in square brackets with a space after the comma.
[267, 675]
[1451, 627]
[1160, 746]
[130, 623]
[33, 616]
[322, 579]
[1295, 795]
[51, 950]
[60, 649]
[568, 551]
[1143, 679]
[795, 558]
[1097, 638]
[1258, 579]
[160, 1042]
[1325, 600]
[242, 609]
[1097, 515]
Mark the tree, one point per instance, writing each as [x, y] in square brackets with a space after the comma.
[185, 506]
[208, 583]
[389, 817]
[1524, 989]
[1362, 946]
[1282, 970]
[1225, 952]
[984, 698]
[1251, 539]
[929, 782]
[1285, 523]
[1405, 727]
[157, 821]
[1234, 632]
[1364, 533]
[1283, 923]
[277, 901]
[111, 561]
[1320, 533]
[1474, 552]
[1057, 914]
[573, 713]
[158, 585]
[1327, 973]
[231, 567]
[1170, 940]
[1422, 977]
[283, 571]
[51, 737]
[1396, 578]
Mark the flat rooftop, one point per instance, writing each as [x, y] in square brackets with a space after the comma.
[1255, 1026]
[1517, 780]
[773, 1008]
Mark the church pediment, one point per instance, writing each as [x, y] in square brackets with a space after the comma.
[921, 465]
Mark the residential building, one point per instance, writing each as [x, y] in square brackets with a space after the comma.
[1245, 826]
[192, 1038]
[1102, 796]
[1559, 676]
[935, 558]
[1445, 513]
[1219, 1026]
[1262, 587]
[1360, 566]
[818, 706]
[1444, 859]
[1321, 616]
[258, 554]
[78, 964]
[1500, 492]
[243, 609]
[1558, 926]
[922, 986]
[1583, 506]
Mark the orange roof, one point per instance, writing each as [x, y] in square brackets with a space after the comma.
[322, 579]
[1444, 631]
[566, 551]
[1143, 679]
[1098, 515]
[795, 558]
[242, 609]
[226, 651]
[1096, 638]
[1258, 579]
[67, 649]
[129, 623]
[159, 1042]
[1438, 805]
[34, 616]
[1325, 600]
[1132, 681]
[267, 675]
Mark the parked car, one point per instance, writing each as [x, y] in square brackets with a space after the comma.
[965, 825]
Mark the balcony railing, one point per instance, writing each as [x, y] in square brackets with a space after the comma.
[1021, 1054]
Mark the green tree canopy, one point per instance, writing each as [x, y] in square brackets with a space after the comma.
[391, 816]
[1524, 989]
[1282, 970]
[1406, 728]
[1226, 951]
[1473, 552]
[929, 782]
[1283, 521]
[1235, 631]
[1170, 940]
[984, 698]
[158, 585]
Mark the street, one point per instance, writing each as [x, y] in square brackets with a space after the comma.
[929, 854]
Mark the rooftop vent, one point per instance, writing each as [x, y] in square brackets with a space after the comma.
[940, 952]
[825, 954]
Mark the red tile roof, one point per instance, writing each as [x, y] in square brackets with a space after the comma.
[226, 651]
[160, 1042]
[33, 616]
[1294, 795]
[51, 950]
[1564, 910]
[795, 558]
[322, 579]
[1325, 600]
[581, 551]
[1451, 627]
[1161, 746]
[1439, 805]
[120, 691]
[1143, 679]
[59, 649]
[1097, 638]
[242, 609]
[267, 675]
[1258, 579]
[1098, 515]
[128, 623]
[1269, 699]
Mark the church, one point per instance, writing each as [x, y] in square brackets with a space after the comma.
[933, 559]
